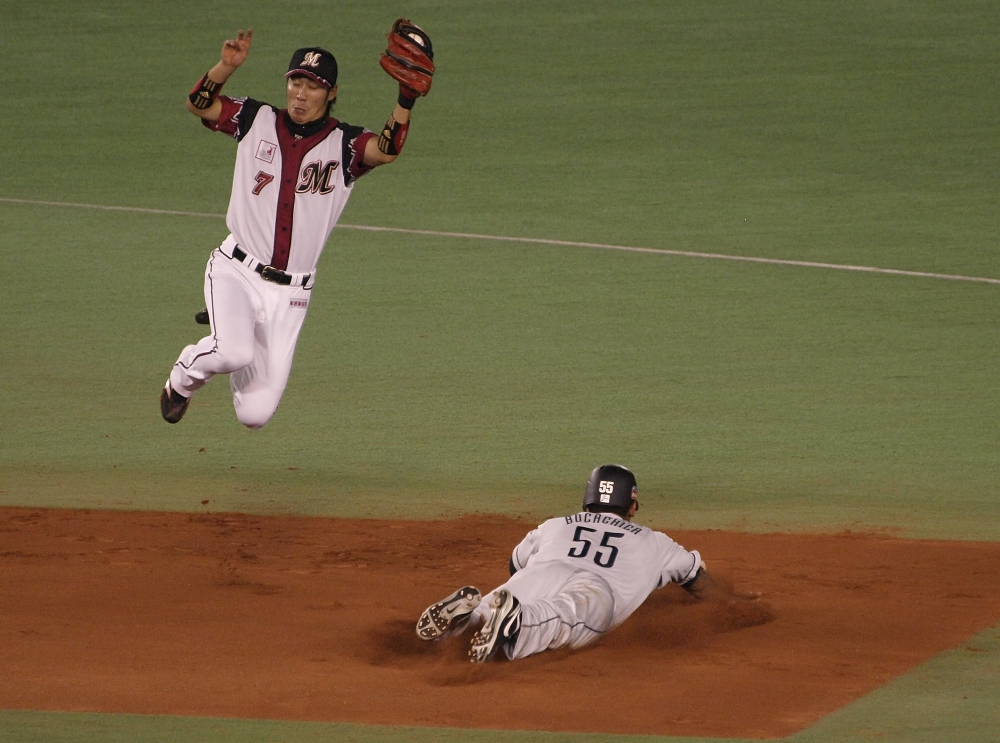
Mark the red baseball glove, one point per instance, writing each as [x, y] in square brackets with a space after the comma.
[409, 57]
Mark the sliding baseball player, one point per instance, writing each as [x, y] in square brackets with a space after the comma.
[574, 578]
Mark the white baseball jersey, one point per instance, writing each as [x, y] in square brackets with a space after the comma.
[288, 191]
[633, 560]
[290, 184]
[579, 576]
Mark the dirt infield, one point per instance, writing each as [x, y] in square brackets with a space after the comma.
[312, 619]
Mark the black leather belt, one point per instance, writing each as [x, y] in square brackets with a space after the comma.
[268, 273]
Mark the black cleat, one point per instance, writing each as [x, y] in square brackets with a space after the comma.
[201, 317]
[501, 629]
[172, 405]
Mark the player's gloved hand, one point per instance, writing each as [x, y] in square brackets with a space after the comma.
[409, 60]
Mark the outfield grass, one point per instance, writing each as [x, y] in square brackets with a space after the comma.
[446, 376]
[437, 376]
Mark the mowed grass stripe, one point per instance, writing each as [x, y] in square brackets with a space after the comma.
[545, 241]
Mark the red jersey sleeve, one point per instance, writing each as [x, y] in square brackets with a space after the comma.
[228, 122]
[236, 117]
[355, 140]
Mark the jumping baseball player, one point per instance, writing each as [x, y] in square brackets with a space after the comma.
[295, 170]
[574, 578]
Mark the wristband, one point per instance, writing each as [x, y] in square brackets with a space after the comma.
[407, 99]
[204, 93]
[393, 136]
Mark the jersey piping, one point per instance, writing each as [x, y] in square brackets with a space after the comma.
[215, 339]
[558, 619]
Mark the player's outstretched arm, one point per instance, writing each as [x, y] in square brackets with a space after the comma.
[386, 147]
[705, 587]
[203, 101]
[408, 59]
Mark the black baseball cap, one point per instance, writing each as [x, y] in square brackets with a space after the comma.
[316, 63]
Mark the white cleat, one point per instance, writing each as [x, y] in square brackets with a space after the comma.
[449, 615]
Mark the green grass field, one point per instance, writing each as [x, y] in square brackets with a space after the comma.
[439, 375]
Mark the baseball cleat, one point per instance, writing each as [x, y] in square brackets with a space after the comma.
[201, 317]
[448, 615]
[500, 630]
[172, 405]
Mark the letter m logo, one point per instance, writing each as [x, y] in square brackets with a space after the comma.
[317, 177]
[311, 59]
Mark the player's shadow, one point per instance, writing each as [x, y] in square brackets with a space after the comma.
[669, 619]
[394, 643]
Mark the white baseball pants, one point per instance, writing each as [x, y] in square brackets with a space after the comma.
[561, 606]
[255, 326]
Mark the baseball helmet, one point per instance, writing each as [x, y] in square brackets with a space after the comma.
[611, 487]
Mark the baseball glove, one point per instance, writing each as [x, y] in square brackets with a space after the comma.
[409, 57]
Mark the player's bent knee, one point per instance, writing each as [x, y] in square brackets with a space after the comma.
[254, 418]
[253, 423]
[254, 410]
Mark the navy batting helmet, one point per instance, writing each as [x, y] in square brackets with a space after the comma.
[611, 488]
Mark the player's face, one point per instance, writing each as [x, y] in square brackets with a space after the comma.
[307, 99]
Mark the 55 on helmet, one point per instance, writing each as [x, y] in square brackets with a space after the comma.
[611, 488]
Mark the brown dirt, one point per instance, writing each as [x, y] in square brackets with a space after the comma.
[312, 619]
